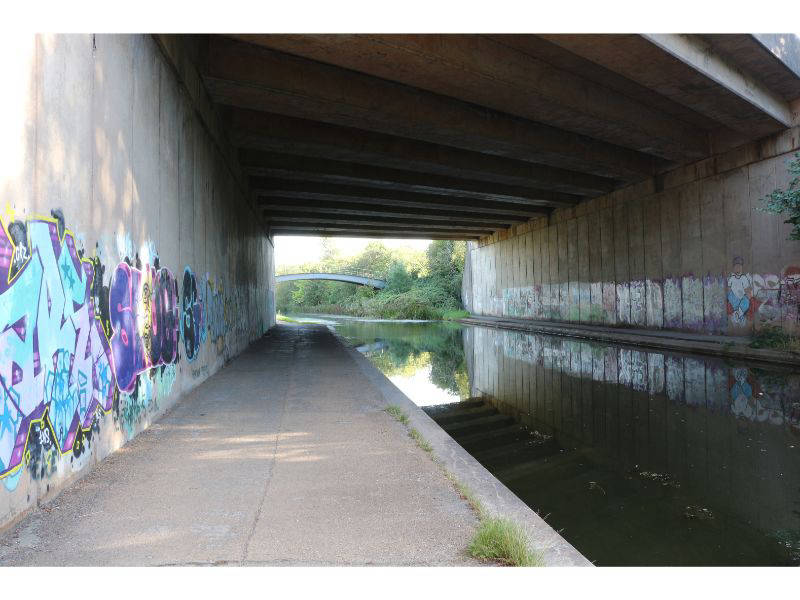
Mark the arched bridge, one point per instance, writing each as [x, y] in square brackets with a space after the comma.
[359, 279]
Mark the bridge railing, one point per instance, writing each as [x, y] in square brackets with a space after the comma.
[341, 271]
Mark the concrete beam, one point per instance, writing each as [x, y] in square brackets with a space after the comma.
[385, 221]
[287, 135]
[289, 188]
[316, 207]
[332, 171]
[679, 79]
[773, 58]
[249, 76]
[783, 46]
[486, 72]
[311, 231]
[386, 231]
[693, 52]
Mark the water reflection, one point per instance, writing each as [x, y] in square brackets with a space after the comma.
[424, 359]
[663, 458]
[638, 456]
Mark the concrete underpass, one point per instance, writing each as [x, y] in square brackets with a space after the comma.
[609, 188]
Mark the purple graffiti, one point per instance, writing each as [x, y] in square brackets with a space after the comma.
[144, 316]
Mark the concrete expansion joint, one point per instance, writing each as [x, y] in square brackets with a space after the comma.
[271, 464]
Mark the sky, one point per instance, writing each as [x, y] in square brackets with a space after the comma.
[293, 250]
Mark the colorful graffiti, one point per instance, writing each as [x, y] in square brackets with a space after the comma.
[54, 351]
[713, 303]
[194, 331]
[144, 316]
[76, 345]
[740, 291]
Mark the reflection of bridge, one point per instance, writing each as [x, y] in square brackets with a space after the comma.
[359, 279]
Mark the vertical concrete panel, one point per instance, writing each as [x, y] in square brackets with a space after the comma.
[112, 134]
[64, 153]
[595, 256]
[18, 123]
[169, 148]
[713, 253]
[144, 152]
[554, 285]
[529, 261]
[186, 173]
[671, 261]
[636, 263]
[607, 246]
[621, 263]
[736, 279]
[562, 237]
[584, 276]
[766, 248]
[692, 256]
[653, 273]
[573, 274]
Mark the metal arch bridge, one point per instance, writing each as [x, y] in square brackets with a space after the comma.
[372, 282]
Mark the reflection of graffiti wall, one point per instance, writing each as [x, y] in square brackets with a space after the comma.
[690, 253]
[712, 426]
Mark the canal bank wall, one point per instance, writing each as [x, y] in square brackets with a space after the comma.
[689, 250]
[132, 265]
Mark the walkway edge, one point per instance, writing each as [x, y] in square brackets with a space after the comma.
[495, 496]
[718, 346]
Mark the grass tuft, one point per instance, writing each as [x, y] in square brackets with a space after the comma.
[501, 540]
[397, 413]
[468, 495]
[421, 441]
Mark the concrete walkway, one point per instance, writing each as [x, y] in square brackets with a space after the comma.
[284, 457]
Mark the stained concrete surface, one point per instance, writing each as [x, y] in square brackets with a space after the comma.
[284, 457]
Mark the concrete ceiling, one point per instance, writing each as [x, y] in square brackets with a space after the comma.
[457, 136]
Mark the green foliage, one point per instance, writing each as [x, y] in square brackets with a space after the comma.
[398, 279]
[502, 541]
[772, 336]
[453, 315]
[787, 202]
[420, 285]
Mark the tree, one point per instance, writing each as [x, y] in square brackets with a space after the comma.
[398, 280]
[787, 202]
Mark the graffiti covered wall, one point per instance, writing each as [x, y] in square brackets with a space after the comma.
[118, 197]
[696, 255]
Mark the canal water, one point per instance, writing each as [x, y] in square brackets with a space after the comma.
[638, 457]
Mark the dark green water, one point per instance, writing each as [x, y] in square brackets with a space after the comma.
[638, 457]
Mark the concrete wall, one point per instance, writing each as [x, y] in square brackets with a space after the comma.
[132, 266]
[689, 250]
